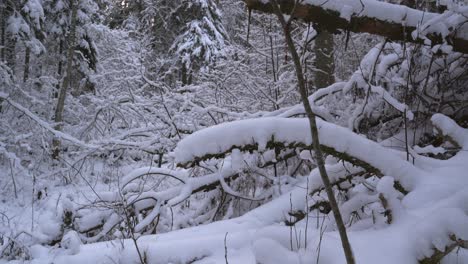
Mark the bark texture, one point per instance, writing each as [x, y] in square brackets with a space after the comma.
[331, 21]
[66, 81]
[324, 61]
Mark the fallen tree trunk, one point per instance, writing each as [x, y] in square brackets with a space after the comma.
[396, 23]
[283, 133]
[438, 255]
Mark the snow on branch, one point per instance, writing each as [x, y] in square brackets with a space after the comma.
[103, 144]
[449, 128]
[395, 22]
[138, 173]
[267, 133]
[318, 110]
[44, 124]
[136, 197]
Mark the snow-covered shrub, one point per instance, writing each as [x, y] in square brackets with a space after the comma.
[11, 248]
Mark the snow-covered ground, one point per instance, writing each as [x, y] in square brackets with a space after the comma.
[426, 219]
[182, 140]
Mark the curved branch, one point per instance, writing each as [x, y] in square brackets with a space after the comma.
[152, 201]
[446, 126]
[439, 255]
[269, 133]
[138, 173]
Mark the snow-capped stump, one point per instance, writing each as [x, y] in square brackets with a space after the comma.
[71, 242]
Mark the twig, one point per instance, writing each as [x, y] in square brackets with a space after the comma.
[13, 178]
[225, 248]
[315, 138]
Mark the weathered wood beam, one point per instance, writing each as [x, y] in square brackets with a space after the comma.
[325, 15]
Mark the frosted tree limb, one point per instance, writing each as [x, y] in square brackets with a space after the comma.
[268, 133]
[398, 22]
[93, 145]
[44, 124]
[449, 128]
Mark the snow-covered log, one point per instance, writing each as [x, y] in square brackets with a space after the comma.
[395, 22]
[267, 133]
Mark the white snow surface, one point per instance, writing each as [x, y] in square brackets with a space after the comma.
[434, 209]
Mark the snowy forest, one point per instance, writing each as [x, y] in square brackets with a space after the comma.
[234, 131]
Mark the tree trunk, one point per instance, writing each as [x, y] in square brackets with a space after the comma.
[183, 75]
[315, 137]
[59, 68]
[8, 42]
[3, 15]
[58, 118]
[324, 60]
[10, 54]
[27, 56]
